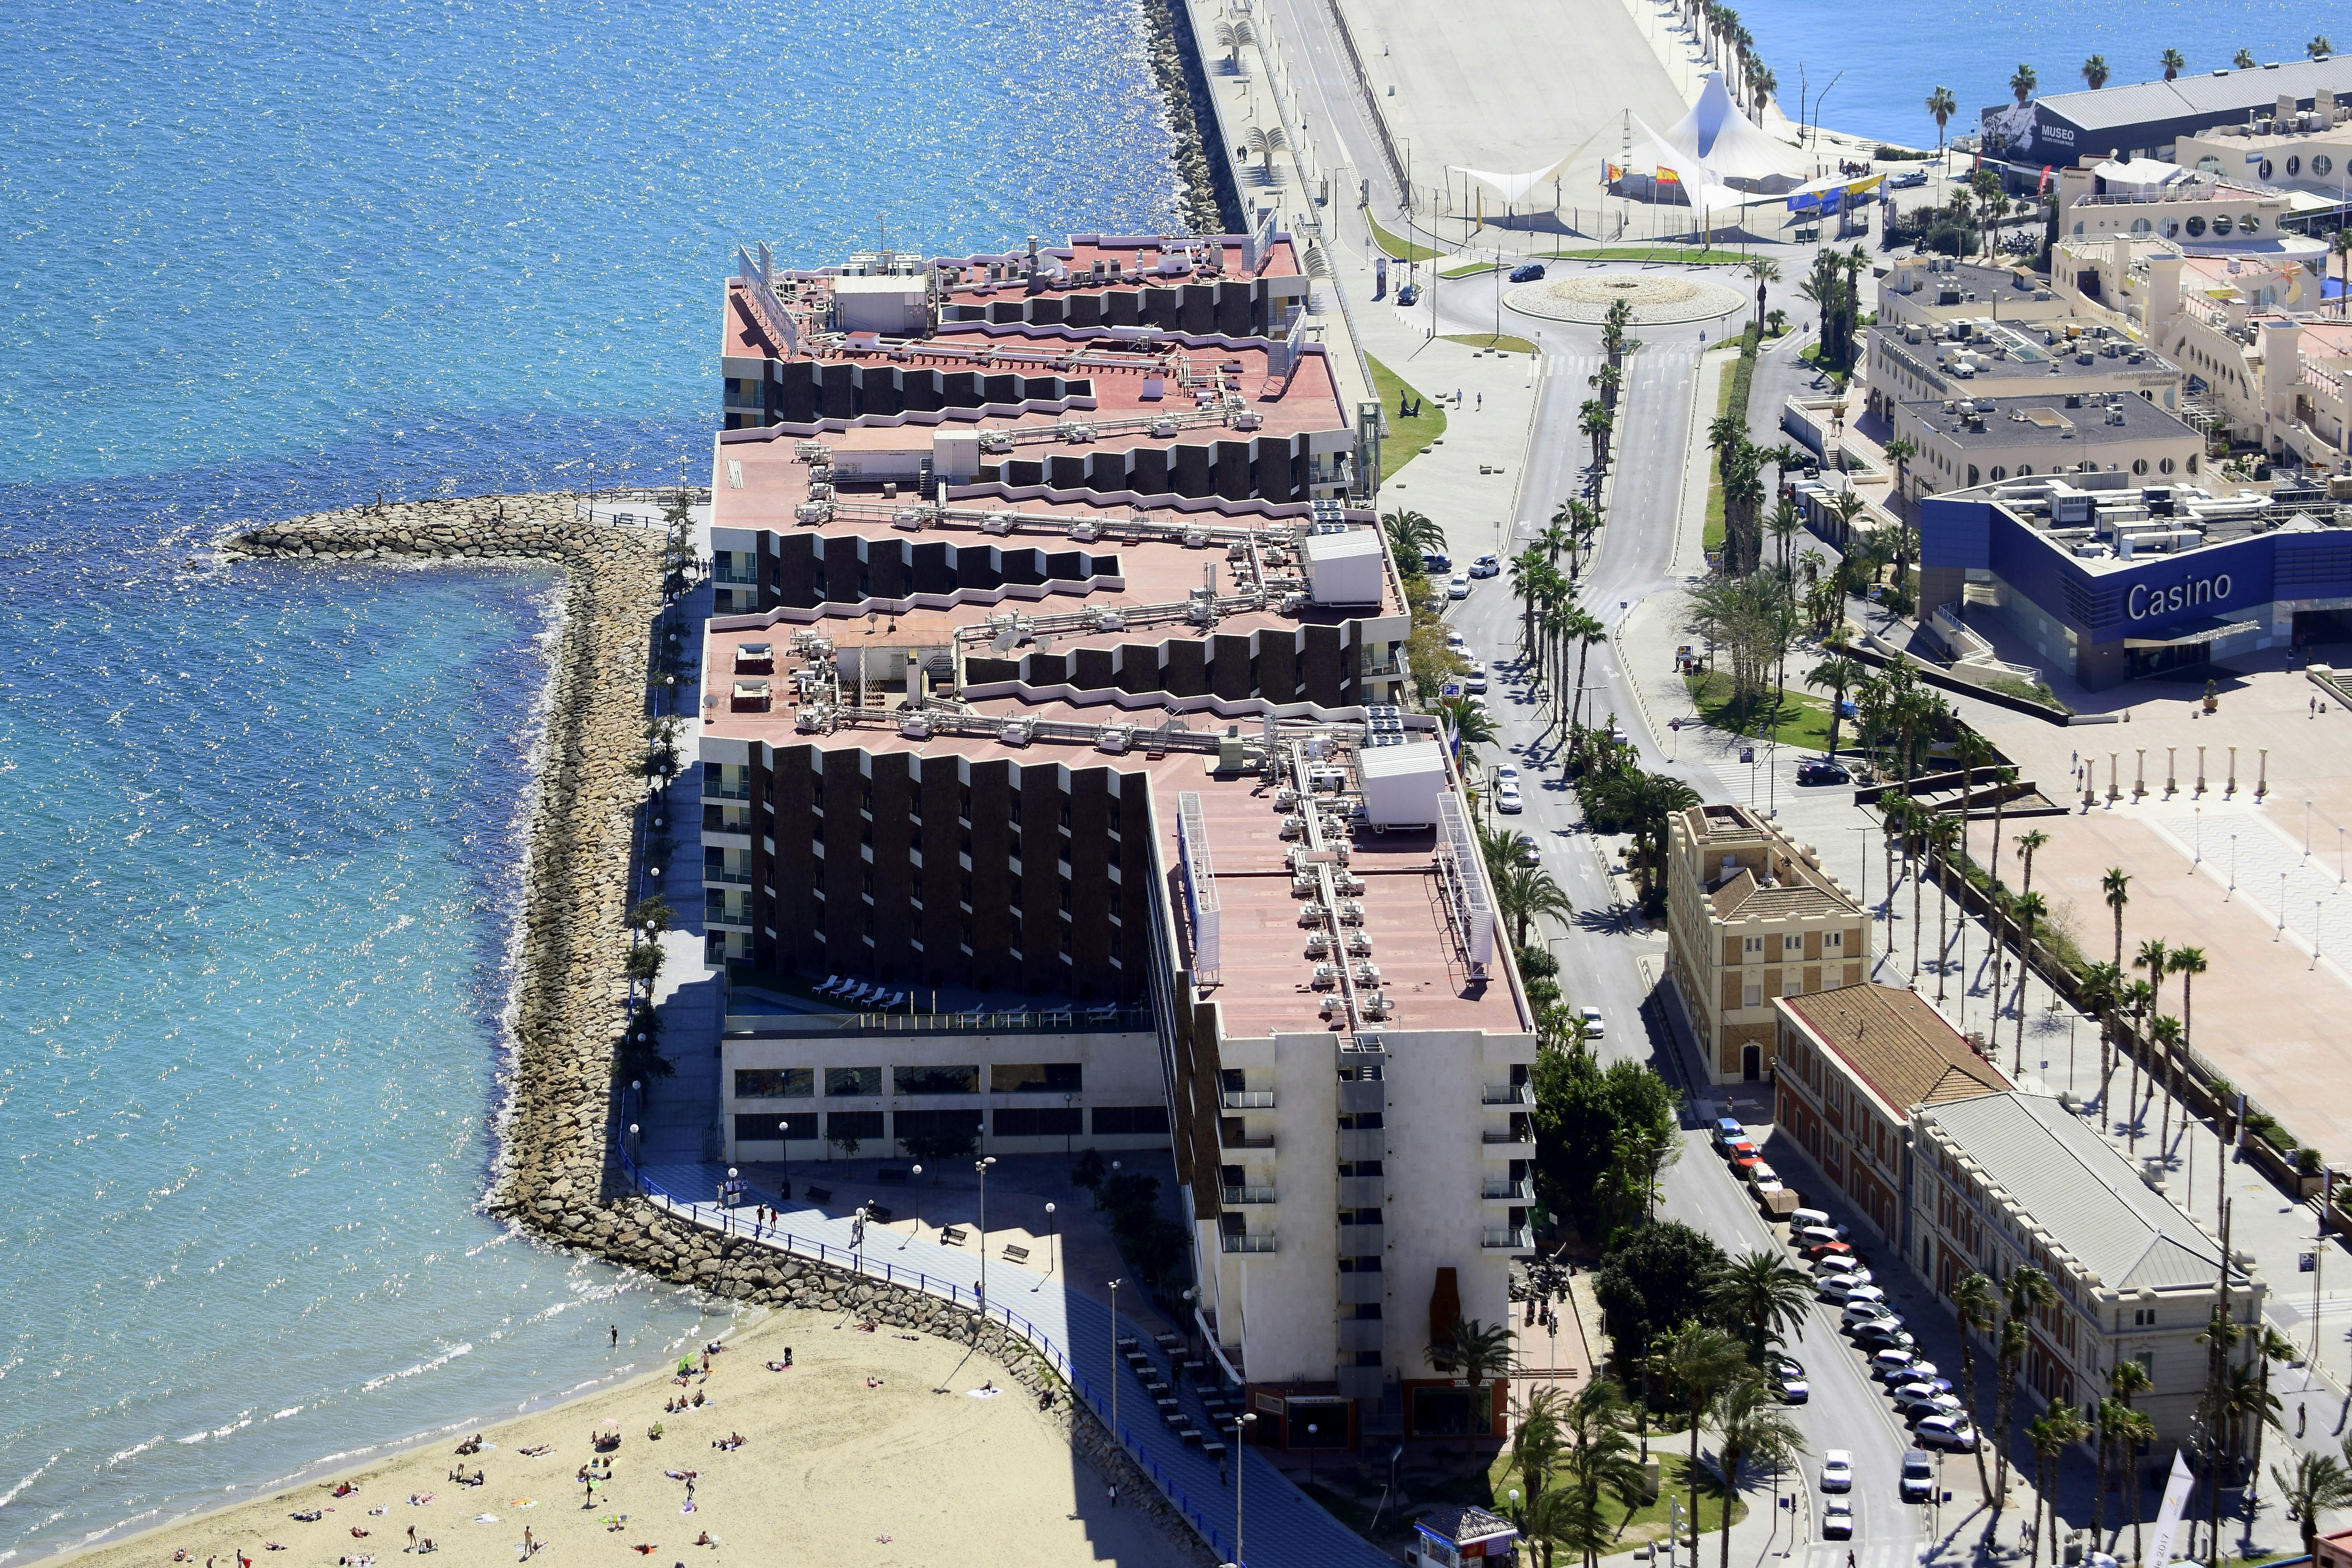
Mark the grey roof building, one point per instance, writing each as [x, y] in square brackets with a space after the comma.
[2002, 1181]
[2147, 117]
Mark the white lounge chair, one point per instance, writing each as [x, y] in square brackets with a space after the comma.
[832, 983]
[897, 1000]
[861, 994]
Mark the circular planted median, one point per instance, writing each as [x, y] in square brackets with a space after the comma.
[1657, 300]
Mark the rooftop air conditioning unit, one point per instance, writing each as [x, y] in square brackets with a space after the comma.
[997, 522]
[1016, 731]
[995, 441]
[908, 518]
[1085, 532]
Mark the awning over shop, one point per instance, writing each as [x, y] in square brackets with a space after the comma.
[2212, 629]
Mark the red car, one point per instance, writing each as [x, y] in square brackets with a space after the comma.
[1742, 1149]
[1822, 1249]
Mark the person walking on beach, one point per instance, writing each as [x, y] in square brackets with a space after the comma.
[616, 1336]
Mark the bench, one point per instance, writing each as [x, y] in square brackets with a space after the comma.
[951, 1236]
[879, 1213]
[890, 1176]
[1211, 1447]
[817, 1195]
[1016, 1254]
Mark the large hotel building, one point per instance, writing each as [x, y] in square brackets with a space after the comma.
[1059, 657]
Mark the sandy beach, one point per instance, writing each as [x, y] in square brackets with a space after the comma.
[913, 1469]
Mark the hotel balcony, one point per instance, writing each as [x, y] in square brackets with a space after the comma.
[718, 912]
[1246, 1244]
[1508, 1236]
[1498, 1189]
[735, 576]
[1248, 1194]
[1247, 1099]
[712, 789]
[1508, 1094]
[734, 876]
[1231, 1135]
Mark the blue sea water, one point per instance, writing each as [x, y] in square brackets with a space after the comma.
[1878, 69]
[259, 827]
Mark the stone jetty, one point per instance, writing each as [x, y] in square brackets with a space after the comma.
[556, 1170]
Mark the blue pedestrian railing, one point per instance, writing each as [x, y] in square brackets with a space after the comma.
[728, 1222]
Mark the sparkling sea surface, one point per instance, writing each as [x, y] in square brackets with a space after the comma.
[258, 828]
[1892, 56]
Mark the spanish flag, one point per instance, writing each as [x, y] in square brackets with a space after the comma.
[1668, 178]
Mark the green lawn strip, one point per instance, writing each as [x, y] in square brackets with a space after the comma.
[1503, 340]
[1469, 269]
[1650, 1521]
[1712, 540]
[1802, 721]
[1407, 435]
[1399, 249]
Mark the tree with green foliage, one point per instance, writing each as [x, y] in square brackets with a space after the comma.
[1765, 1294]
[1410, 536]
[1651, 1281]
[1581, 1107]
[1702, 1361]
[636, 1056]
[1479, 1353]
[1751, 1425]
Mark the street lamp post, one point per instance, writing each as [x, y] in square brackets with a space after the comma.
[1241, 1454]
[917, 1185]
[1114, 1384]
[982, 1166]
[1049, 1251]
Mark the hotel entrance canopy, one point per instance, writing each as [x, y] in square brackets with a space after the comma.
[2212, 629]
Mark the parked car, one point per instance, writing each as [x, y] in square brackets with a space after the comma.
[1435, 561]
[1837, 1519]
[1837, 1470]
[1728, 1130]
[1920, 1368]
[1948, 1432]
[1763, 1178]
[1475, 678]
[1918, 1481]
[1919, 1409]
[1457, 586]
[1891, 1360]
[1743, 1157]
[1595, 1025]
[1788, 1380]
[1877, 1336]
[1837, 1288]
[1528, 273]
[1486, 566]
[1801, 1220]
[1845, 1263]
[1456, 643]
[1870, 1310]
[1822, 773]
[1408, 294]
[1822, 1249]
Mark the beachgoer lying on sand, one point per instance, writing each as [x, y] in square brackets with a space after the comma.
[427, 1544]
[868, 1326]
[873, 1383]
[356, 1530]
[311, 1516]
[266, 1546]
[645, 1550]
[374, 1511]
[419, 1499]
[181, 1555]
[345, 1489]
[537, 1449]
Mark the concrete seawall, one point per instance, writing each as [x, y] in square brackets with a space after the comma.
[557, 1172]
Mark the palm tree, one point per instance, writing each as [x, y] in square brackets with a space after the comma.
[1586, 630]
[2094, 71]
[2028, 909]
[1471, 725]
[1835, 674]
[2022, 82]
[1751, 1425]
[1526, 894]
[1537, 1446]
[2173, 64]
[2319, 49]
[1902, 451]
[2114, 886]
[1701, 1362]
[1412, 535]
[1764, 1291]
[1567, 1517]
[1972, 1301]
[2137, 997]
[1764, 271]
[2102, 993]
[2135, 1430]
[2314, 1484]
[1530, 577]
[1941, 107]
[1944, 833]
[1600, 1456]
[2153, 957]
[2270, 1345]
[1477, 1353]
[2243, 59]
[2049, 1434]
[2030, 1291]
[2342, 245]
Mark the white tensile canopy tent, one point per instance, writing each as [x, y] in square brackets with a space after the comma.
[1726, 142]
[1700, 186]
[1511, 187]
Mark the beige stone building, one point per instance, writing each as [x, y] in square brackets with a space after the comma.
[1751, 917]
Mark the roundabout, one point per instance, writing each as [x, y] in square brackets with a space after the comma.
[1657, 300]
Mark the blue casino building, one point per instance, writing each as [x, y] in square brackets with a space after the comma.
[2111, 581]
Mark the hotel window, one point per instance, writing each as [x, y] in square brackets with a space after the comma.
[1751, 996]
[844, 1081]
[935, 1080]
[1752, 946]
[774, 1083]
[1036, 1078]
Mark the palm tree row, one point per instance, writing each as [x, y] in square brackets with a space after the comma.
[1751, 84]
[1551, 621]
